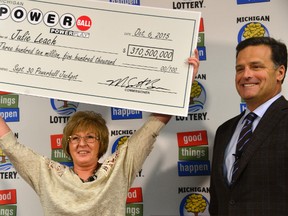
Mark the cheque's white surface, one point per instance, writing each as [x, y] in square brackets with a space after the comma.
[99, 53]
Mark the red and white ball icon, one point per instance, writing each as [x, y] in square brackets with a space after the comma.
[84, 23]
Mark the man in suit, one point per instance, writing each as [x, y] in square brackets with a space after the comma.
[254, 180]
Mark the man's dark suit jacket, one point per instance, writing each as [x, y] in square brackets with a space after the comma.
[261, 188]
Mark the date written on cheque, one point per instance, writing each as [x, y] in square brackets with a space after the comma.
[150, 52]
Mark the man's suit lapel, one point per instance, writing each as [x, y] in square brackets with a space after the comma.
[225, 137]
[267, 123]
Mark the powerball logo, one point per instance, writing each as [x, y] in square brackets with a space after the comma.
[51, 19]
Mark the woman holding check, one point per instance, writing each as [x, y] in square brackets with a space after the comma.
[88, 188]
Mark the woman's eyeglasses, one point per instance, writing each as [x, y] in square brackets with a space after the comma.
[89, 139]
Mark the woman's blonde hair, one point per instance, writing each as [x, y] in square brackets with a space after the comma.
[83, 121]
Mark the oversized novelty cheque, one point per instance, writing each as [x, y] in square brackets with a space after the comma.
[101, 53]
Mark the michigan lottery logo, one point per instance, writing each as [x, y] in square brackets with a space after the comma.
[64, 109]
[252, 29]
[7, 171]
[193, 204]
[197, 97]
